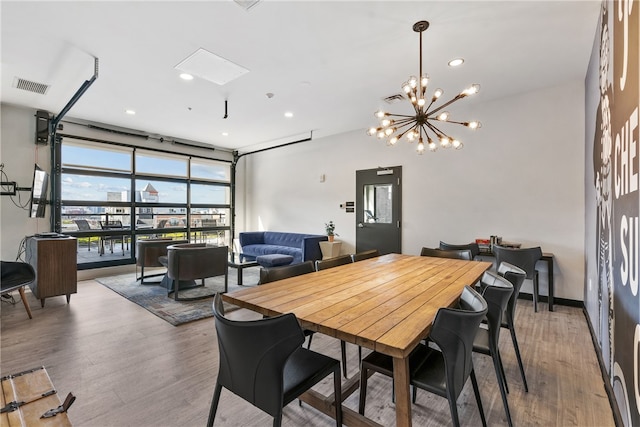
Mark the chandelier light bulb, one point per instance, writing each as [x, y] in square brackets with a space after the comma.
[474, 125]
[423, 125]
[471, 90]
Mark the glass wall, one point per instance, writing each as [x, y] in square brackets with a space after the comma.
[111, 196]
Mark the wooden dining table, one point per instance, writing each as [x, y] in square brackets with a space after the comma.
[386, 304]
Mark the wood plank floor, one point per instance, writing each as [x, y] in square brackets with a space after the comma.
[128, 367]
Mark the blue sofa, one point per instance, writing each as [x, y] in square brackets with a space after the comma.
[302, 247]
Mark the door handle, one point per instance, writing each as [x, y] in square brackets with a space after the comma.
[360, 225]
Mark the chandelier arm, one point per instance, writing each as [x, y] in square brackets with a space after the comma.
[399, 115]
[446, 104]
[436, 130]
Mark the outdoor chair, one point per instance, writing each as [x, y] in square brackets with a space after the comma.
[83, 225]
[262, 361]
[359, 256]
[525, 259]
[192, 261]
[443, 371]
[464, 254]
[516, 276]
[496, 292]
[112, 225]
[473, 247]
[14, 276]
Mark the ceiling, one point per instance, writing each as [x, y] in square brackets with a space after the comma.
[330, 63]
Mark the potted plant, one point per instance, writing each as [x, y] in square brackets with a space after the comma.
[330, 228]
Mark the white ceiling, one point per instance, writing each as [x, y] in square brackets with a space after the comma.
[328, 62]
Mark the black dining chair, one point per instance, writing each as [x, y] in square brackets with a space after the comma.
[516, 276]
[360, 256]
[323, 264]
[473, 247]
[443, 371]
[496, 292]
[263, 362]
[525, 259]
[464, 254]
[112, 225]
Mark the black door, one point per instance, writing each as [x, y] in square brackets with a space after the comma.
[378, 210]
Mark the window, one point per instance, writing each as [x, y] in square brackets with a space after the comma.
[110, 192]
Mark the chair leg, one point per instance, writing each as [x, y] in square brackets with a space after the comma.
[277, 419]
[535, 292]
[25, 302]
[476, 391]
[309, 343]
[364, 374]
[337, 393]
[214, 404]
[343, 350]
[504, 376]
[515, 345]
[497, 364]
[454, 409]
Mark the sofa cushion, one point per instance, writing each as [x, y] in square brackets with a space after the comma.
[257, 250]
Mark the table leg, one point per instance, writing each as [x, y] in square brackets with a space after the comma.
[550, 270]
[403, 396]
[240, 275]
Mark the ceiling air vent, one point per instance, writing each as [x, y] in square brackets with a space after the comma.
[30, 86]
[393, 98]
[246, 4]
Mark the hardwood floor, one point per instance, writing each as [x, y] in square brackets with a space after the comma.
[128, 367]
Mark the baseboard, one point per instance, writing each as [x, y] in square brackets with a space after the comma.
[617, 416]
[556, 301]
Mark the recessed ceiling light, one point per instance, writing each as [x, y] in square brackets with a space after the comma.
[130, 112]
[288, 114]
[456, 62]
[225, 133]
[186, 76]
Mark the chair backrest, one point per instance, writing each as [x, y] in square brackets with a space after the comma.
[14, 274]
[497, 291]
[323, 264]
[190, 261]
[253, 355]
[473, 247]
[516, 276]
[359, 256]
[524, 258]
[441, 253]
[454, 330]
[82, 224]
[273, 274]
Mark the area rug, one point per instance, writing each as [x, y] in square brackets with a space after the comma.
[154, 298]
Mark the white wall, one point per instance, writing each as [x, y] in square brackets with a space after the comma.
[18, 153]
[520, 177]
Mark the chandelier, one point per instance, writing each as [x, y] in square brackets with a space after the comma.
[428, 116]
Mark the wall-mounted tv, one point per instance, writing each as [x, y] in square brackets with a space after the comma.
[38, 193]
